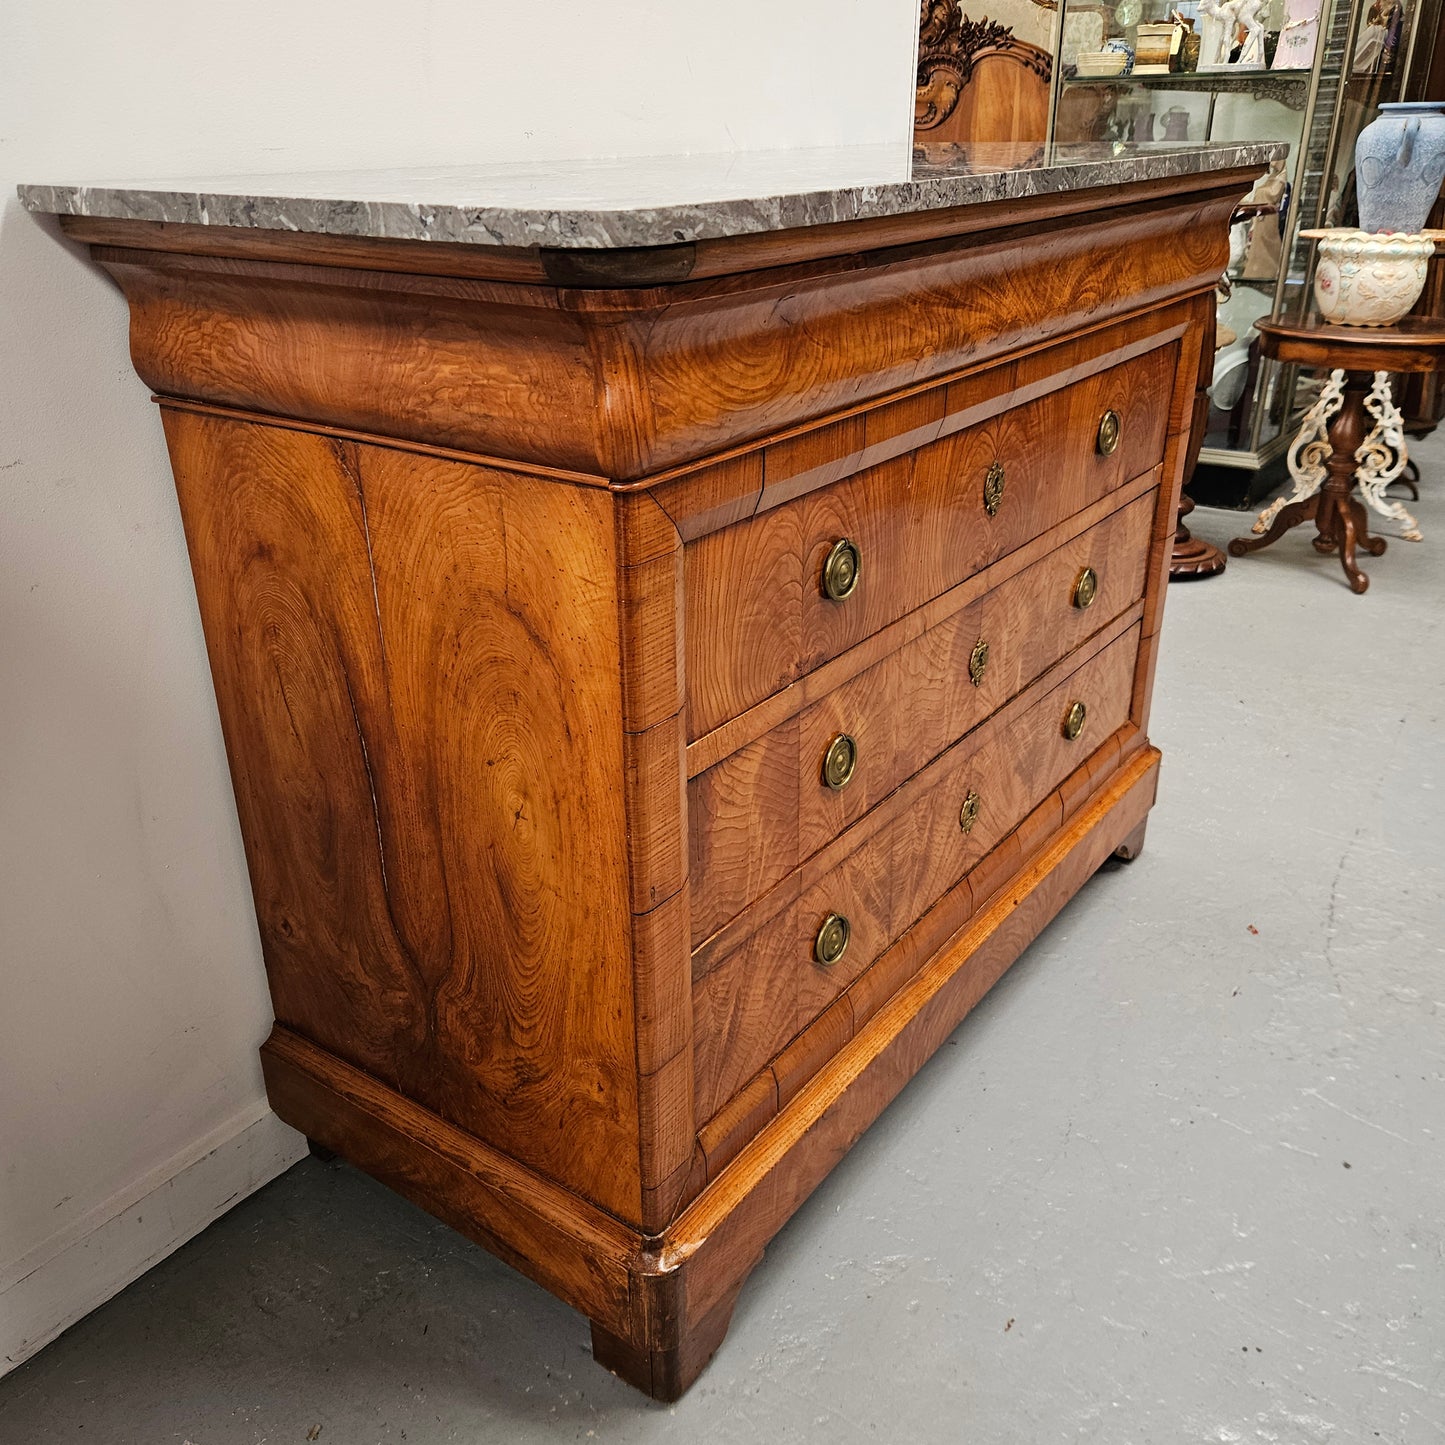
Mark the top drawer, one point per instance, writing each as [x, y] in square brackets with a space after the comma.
[758, 614]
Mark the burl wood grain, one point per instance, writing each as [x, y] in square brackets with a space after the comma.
[762, 810]
[415, 663]
[752, 998]
[757, 617]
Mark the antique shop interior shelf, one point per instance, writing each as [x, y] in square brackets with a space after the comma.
[666, 685]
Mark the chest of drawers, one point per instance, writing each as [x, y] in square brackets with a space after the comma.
[665, 688]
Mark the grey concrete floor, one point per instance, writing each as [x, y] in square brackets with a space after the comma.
[1179, 1178]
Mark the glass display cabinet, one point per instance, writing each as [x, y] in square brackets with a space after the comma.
[1313, 73]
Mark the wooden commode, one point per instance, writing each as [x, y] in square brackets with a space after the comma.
[671, 664]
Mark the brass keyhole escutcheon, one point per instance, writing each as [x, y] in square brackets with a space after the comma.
[832, 940]
[1074, 720]
[1109, 429]
[1086, 588]
[968, 813]
[840, 571]
[839, 762]
[993, 485]
[978, 662]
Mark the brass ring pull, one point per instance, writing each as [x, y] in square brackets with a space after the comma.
[840, 571]
[968, 813]
[1086, 588]
[978, 662]
[1110, 428]
[1074, 720]
[993, 485]
[839, 762]
[832, 940]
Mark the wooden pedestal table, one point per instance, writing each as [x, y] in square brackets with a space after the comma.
[1352, 434]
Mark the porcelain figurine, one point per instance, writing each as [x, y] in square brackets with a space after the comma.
[1216, 32]
[1251, 55]
[1368, 280]
[1399, 165]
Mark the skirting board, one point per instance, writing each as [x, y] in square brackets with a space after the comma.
[83, 1265]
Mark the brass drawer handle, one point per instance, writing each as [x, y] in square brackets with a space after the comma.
[840, 571]
[1074, 720]
[839, 762]
[832, 940]
[968, 813]
[1110, 428]
[1086, 588]
[993, 485]
[978, 662]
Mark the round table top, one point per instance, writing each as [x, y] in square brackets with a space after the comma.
[1416, 343]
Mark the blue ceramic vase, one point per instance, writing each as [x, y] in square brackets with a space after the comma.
[1399, 165]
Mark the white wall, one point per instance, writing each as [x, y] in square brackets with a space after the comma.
[132, 998]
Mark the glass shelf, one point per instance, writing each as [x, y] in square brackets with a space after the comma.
[1246, 80]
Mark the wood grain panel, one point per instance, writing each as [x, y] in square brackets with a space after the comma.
[710, 749]
[550, 1235]
[760, 812]
[757, 618]
[416, 668]
[703, 499]
[747, 1007]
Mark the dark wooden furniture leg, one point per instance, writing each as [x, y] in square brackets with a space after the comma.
[1133, 845]
[1339, 518]
[666, 1374]
[1192, 557]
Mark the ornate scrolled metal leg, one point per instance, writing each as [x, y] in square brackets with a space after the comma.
[1382, 456]
[1409, 479]
[1309, 451]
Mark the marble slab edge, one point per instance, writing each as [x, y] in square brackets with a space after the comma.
[934, 186]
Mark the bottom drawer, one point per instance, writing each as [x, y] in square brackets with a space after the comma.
[821, 927]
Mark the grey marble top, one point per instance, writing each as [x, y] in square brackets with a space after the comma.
[638, 201]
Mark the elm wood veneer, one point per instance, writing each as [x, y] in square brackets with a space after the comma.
[444, 529]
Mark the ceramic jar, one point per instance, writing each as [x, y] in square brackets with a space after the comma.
[1369, 280]
[1176, 124]
[1399, 165]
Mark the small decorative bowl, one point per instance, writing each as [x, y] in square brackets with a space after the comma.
[1102, 62]
[1368, 278]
